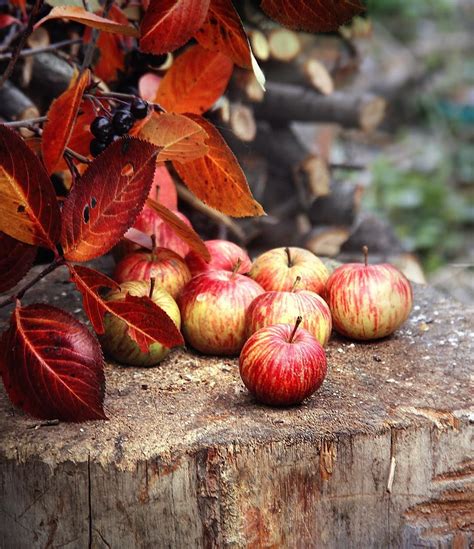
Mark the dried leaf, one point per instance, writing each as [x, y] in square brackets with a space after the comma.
[80, 15]
[52, 366]
[186, 233]
[179, 137]
[61, 119]
[312, 15]
[16, 259]
[223, 31]
[169, 24]
[195, 81]
[28, 208]
[217, 179]
[107, 199]
[147, 322]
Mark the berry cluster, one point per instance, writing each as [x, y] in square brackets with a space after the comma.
[107, 129]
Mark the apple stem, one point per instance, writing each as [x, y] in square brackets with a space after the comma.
[153, 246]
[152, 287]
[365, 251]
[290, 263]
[295, 283]
[236, 268]
[297, 323]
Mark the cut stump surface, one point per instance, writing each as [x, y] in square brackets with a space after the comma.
[380, 456]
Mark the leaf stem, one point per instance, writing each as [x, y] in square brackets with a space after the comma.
[77, 156]
[297, 323]
[58, 262]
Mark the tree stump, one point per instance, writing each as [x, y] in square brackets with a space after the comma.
[380, 456]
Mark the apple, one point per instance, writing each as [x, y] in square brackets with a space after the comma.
[118, 344]
[277, 270]
[168, 268]
[224, 255]
[213, 306]
[283, 307]
[368, 301]
[282, 364]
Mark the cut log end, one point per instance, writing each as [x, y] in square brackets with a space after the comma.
[318, 76]
[326, 241]
[372, 112]
[284, 44]
[318, 176]
[259, 44]
[242, 122]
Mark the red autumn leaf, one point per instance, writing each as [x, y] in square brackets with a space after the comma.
[52, 366]
[312, 15]
[21, 4]
[147, 323]
[16, 260]
[223, 31]
[61, 119]
[179, 137]
[195, 81]
[169, 24]
[28, 208]
[186, 233]
[80, 15]
[107, 199]
[217, 179]
[7, 20]
[163, 189]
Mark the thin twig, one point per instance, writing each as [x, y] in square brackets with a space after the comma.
[58, 262]
[26, 33]
[77, 156]
[26, 123]
[88, 55]
[33, 51]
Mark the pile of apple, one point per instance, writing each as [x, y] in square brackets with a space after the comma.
[277, 312]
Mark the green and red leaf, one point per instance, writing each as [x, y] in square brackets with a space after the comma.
[52, 366]
[312, 15]
[195, 81]
[16, 260]
[107, 199]
[28, 208]
[80, 15]
[179, 137]
[217, 179]
[185, 232]
[169, 24]
[62, 117]
[223, 31]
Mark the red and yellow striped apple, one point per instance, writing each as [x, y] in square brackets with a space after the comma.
[224, 256]
[282, 364]
[277, 270]
[284, 307]
[118, 344]
[368, 301]
[168, 268]
[213, 306]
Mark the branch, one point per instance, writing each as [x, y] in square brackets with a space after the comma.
[33, 51]
[26, 123]
[94, 37]
[26, 33]
[58, 262]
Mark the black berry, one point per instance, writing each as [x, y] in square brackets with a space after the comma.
[139, 108]
[96, 147]
[101, 128]
[123, 121]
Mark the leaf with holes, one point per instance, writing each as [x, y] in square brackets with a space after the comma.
[185, 232]
[61, 119]
[28, 208]
[16, 259]
[180, 138]
[312, 15]
[217, 179]
[195, 81]
[146, 322]
[223, 31]
[52, 366]
[169, 24]
[107, 199]
[80, 15]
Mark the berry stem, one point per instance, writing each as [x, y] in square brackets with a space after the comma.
[295, 283]
[365, 251]
[297, 323]
[288, 253]
[152, 287]
[236, 268]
